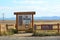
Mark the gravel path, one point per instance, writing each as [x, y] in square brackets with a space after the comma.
[29, 38]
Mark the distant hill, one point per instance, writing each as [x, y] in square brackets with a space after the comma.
[12, 18]
[36, 18]
[47, 18]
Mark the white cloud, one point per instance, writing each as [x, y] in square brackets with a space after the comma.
[41, 7]
[41, 10]
[10, 10]
[29, 2]
[6, 10]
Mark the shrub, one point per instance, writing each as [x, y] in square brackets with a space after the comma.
[4, 33]
[8, 32]
[45, 34]
[13, 31]
[29, 30]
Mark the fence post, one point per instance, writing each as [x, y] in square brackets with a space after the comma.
[35, 27]
[58, 27]
[7, 27]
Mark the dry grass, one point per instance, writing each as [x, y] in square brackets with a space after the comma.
[36, 22]
[8, 22]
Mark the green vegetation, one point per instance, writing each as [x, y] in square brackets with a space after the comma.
[46, 33]
[13, 31]
[29, 30]
[9, 32]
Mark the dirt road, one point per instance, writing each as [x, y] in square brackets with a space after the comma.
[29, 38]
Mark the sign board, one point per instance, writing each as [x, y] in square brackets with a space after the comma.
[46, 27]
[24, 19]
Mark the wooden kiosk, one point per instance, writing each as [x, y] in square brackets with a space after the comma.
[24, 20]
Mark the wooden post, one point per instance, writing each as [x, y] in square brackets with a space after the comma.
[32, 22]
[58, 27]
[7, 27]
[17, 22]
[35, 28]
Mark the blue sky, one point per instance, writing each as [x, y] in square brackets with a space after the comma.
[41, 7]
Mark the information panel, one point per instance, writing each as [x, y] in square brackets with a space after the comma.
[46, 27]
[27, 19]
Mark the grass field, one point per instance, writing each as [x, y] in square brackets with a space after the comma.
[39, 32]
[37, 22]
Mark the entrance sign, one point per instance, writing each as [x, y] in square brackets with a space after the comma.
[27, 19]
[46, 27]
[24, 20]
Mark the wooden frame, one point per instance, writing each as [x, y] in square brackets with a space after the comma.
[23, 13]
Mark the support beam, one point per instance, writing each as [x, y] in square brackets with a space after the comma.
[17, 22]
[32, 22]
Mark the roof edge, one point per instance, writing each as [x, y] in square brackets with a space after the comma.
[21, 13]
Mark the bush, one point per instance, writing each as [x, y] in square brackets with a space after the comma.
[29, 30]
[8, 32]
[13, 30]
[4, 33]
[45, 34]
